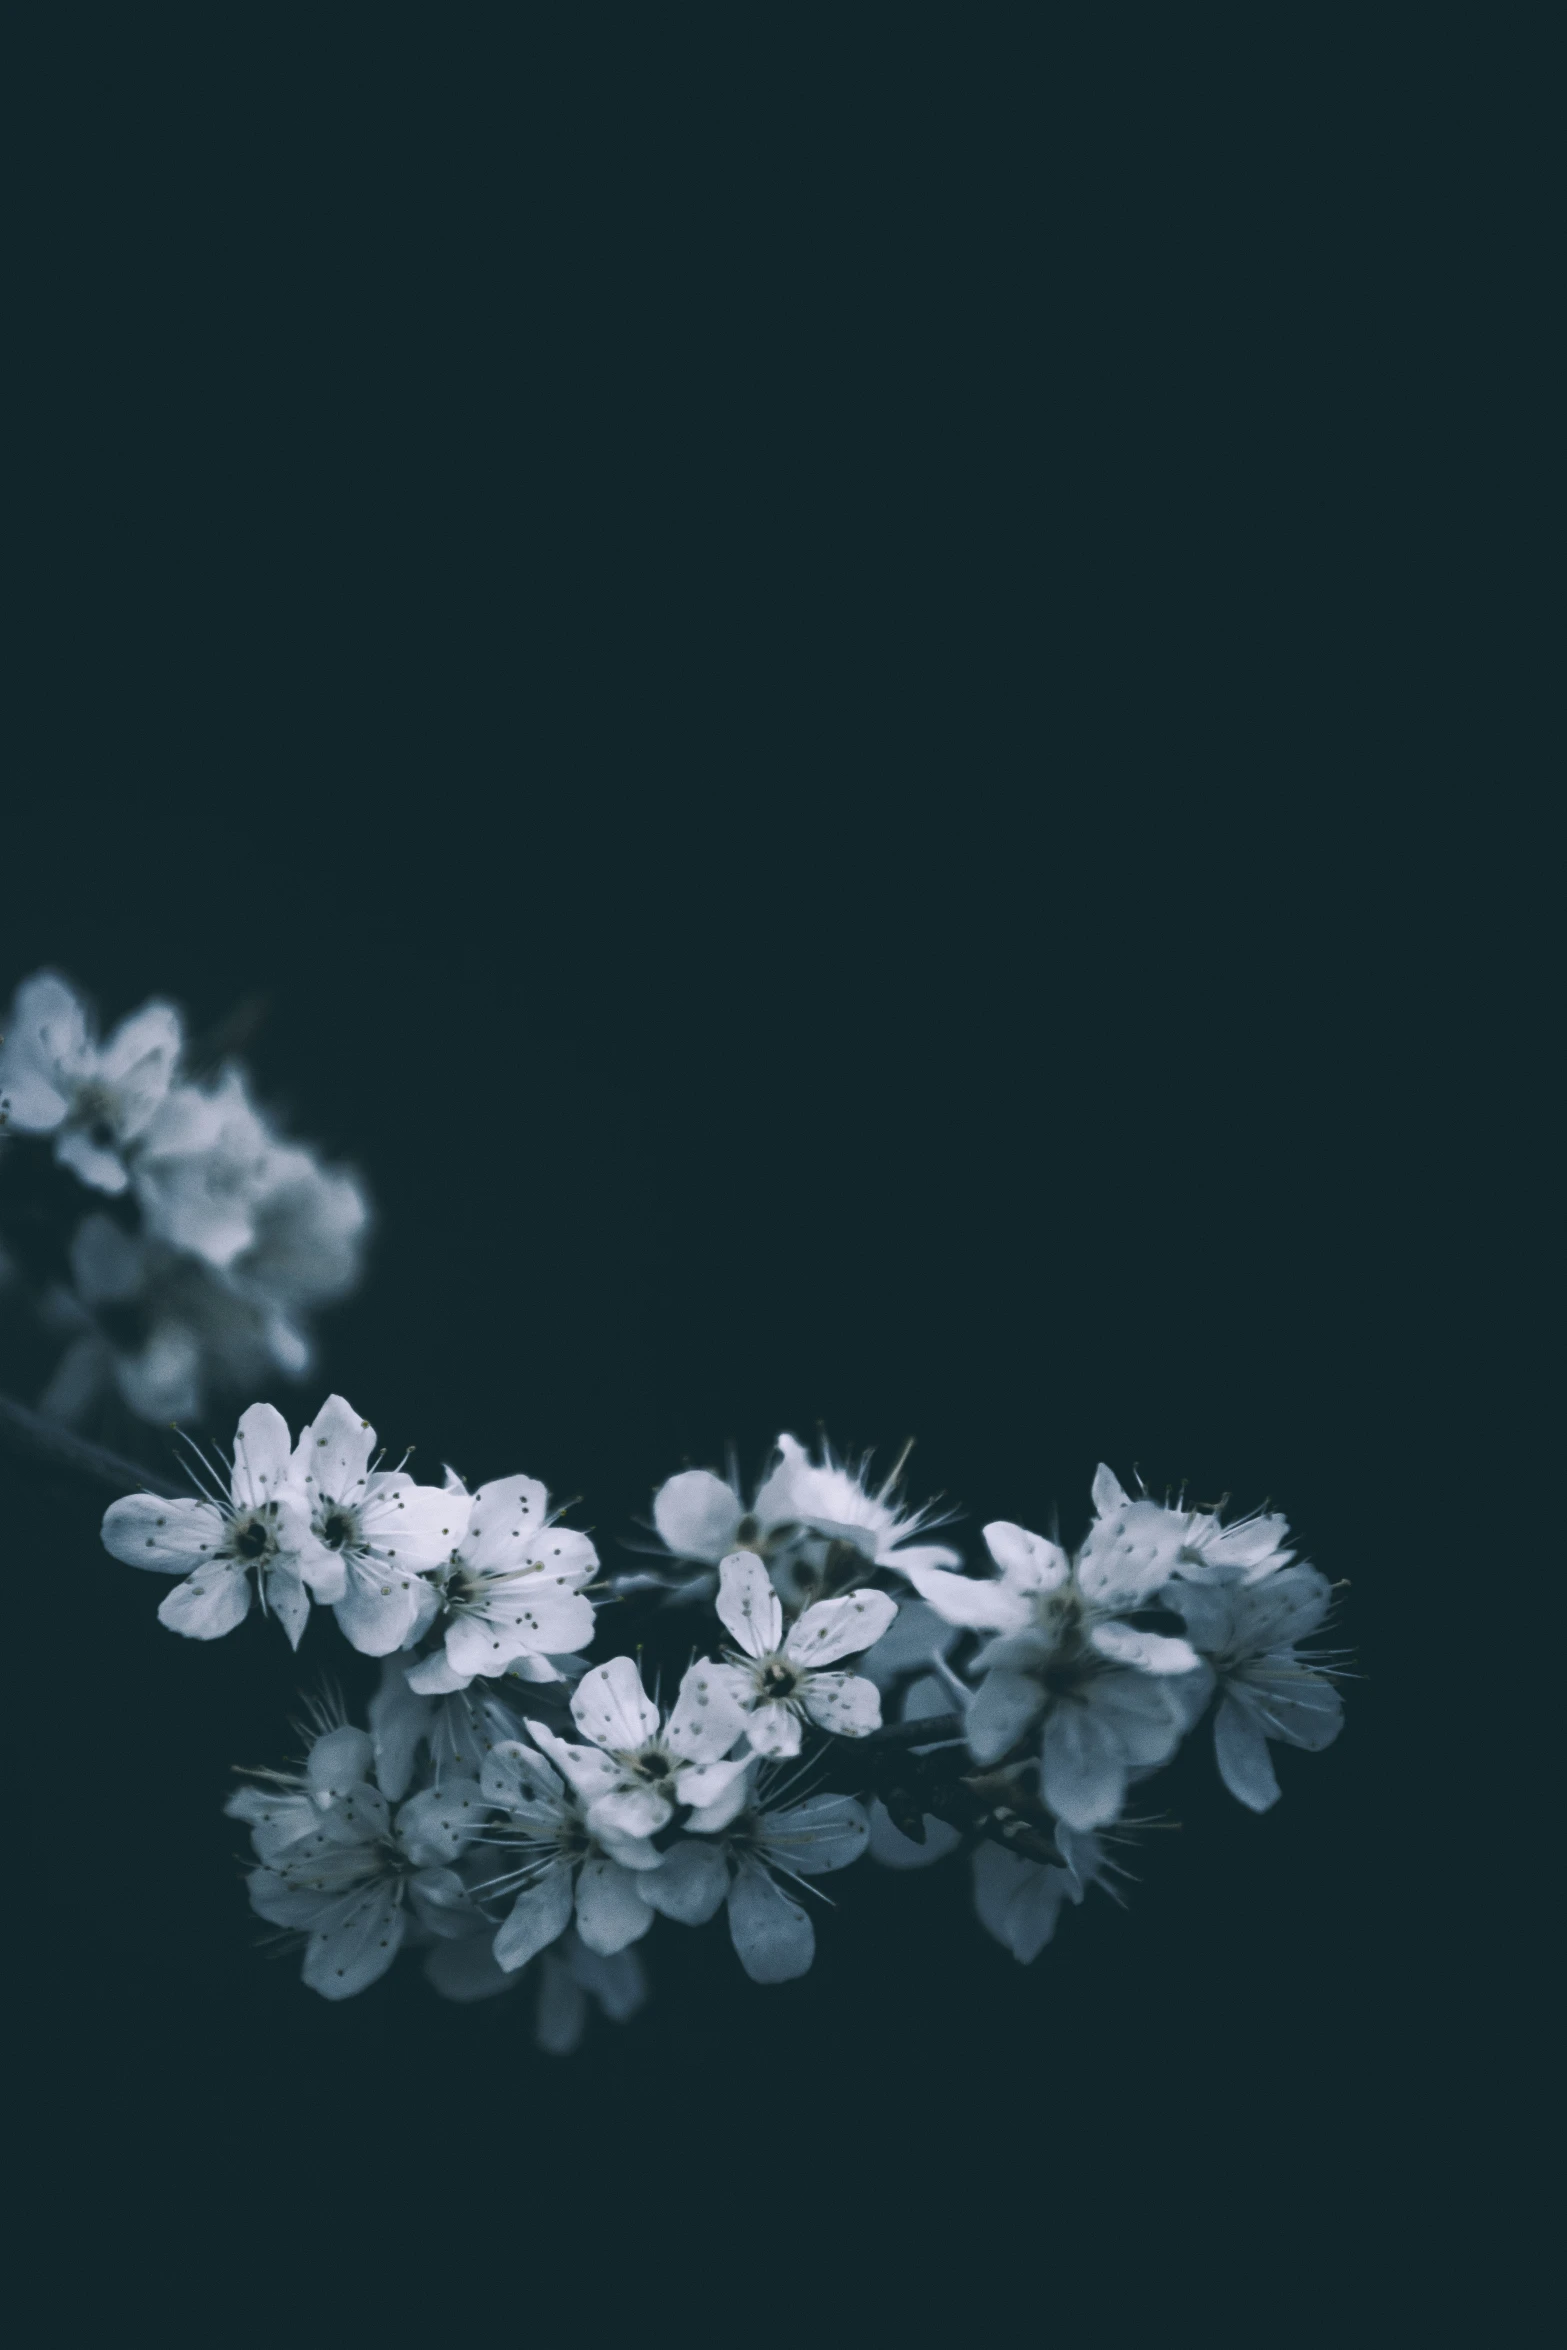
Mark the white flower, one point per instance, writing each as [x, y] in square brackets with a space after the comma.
[778, 1678]
[741, 1859]
[1114, 1698]
[1140, 1544]
[55, 1078]
[636, 1772]
[457, 1730]
[558, 1862]
[385, 1532]
[512, 1591]
[347, 1877]
[801, 1508]
[1246, 1632]
[262, 1524]
[205, 1164]
[1018, 1900]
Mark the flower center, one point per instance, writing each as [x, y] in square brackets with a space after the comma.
[337, 1527]
[250, 1539]
[654, 1766]
[778, 1680]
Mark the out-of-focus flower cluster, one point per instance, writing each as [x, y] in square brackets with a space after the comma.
[513, 1810]
[215, 1240]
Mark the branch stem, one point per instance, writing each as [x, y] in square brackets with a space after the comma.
[45, 1441]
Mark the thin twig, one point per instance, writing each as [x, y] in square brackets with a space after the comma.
[29, 1433]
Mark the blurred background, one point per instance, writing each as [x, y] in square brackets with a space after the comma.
[814, 793]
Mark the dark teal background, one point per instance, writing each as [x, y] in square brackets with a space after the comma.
[810, 754]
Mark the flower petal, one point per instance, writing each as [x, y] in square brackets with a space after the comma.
[702, 1785]
[503, 1519]
[1028, 1561]
[587, 1770]
[696, 1515]
[538, 1917]
[690, 1885]
[999, 1712]
[1083, 1765]
[208, 1603]
[338, 1762]
[824, 1832]
[843, 1703]
[332, 1457]
[441, 1822]
[987, 1606]
[894, 1850]
[170, 1537]
[359, 1945]
[263, 1457]
[1017, 1900]
[772, 1935]
[773, 1730]
[1244, 1762]
[835, 1628]
[706, 1719]
[633, 1811]
[612, 1708]
[610, 1911]
[1148, 1652]
[748, 1606]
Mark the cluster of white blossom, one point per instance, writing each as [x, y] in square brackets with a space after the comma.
[513, 1808]
[216, 1238]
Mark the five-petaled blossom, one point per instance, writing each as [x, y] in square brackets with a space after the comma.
[557, 1863]
[778, 1677]
[741, 1857]
[637, 1771]
[97, 1100]
[1114, 1698]
[339, 1866]
[512, 1593]
[262, 1524]
[384, 1532]
[1246, 1633]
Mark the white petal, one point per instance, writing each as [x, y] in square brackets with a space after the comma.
[437, 1676]
[513, 1777]
[1028, 1561]
[442, 1905]
[333, 1453]
[839, 1627]
[359, 1945]
[1131, 1554]
[1149, 1652]
[1017, 1900]
[263, 1457]
[378, 1607]
[1084, 1765]
[1148, 1714]
[340, 1760]
[398, 1720]
[1108, 1491]
[44, 1054]
[748, 1606]
[610, 1911]
[538, 1917]
[411, 1527]
[562, 1555]
[632, 1811]
[585, 1769]
[696, 1515]
[437, 1825]
[709, 1819]
[822, 1833]
[503, 1520]
[774, 1730]
[1290, 1702]
[541, 1616]
[690, 1885]
[282, 1904]
[702, 1785]
[170, 1537]
[139, 1060]
[978, 1607]
[612, 1708]
[772, 1935]
[843, 1703]
[288, 1600]
[617, 1981]
[1244, 1762]
[999, 1712]
[208, 1604]
[706, 1720]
